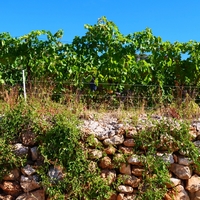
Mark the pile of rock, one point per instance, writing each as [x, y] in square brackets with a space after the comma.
[24, 183]
[109, 143]
[115, 138]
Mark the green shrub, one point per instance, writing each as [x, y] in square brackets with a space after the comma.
[170, 135]
[62, 145]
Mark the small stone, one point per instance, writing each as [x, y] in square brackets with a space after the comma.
[193, 184]
[177, 193]
[106, 163]
[131, 180]
[198, 126]
[95, 154]
[131, 133]
[110, 150]
[13, 175]
[29, 183]
[105, 135]
[99, 129]
[181, 171]
[113, 197]
[115, 140]
[197, 195]
[126, 150]
[197, 143]
[35, 195]
[130, 197]
[137, 171]
[173, 182]
[134, 160]
[11, 188]
[20, 150]
[125, 169]
[93, 125]
[184, 161]
[124, 189]
[34, 153]
[167, 157]
[129, 143]
[120, 196]
[6, 197]
[120, 131]
[28, 170]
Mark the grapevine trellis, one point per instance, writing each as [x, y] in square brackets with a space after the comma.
[102, 55]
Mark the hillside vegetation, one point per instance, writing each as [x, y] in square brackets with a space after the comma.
[104, 71]
[104, 60]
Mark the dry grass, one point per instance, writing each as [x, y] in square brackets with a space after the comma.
[41, 96]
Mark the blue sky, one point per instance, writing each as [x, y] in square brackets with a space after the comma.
[173, 20]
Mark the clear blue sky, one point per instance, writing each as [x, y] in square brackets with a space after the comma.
[173, 20]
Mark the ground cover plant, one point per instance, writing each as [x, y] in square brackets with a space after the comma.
[59, 142]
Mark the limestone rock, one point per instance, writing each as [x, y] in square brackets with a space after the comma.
[184, 161]
[113, 197]
[28, 170]
[197, 143]
[134, 160]
[105, 135]
[167, 157]
[137, 171]
[193, 184]
[6, 197]
[115, 140]
[129, 143]
[126, 150]
[181, 171]
[125, 169]
[34, 153]
[20, 149]
[110, 150]
[173, 182]
[124, 189]
[131, 180]
[11, 188]
[29, 183]
[106, 163]
[13, 175]
[196, 195]
[177, 193]
[35, 195]
[122, 196]
[131, 132]
[95, 154]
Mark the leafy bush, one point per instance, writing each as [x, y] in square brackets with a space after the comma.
[169, 135]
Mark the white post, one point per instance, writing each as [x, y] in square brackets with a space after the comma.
[24, 85]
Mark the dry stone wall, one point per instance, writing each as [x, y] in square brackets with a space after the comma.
[109, 141]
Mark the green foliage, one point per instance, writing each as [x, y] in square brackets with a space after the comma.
[155, 177]
[169, 136]
[117, 62]
[12, 124]
[60, 144]
[8, 159]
